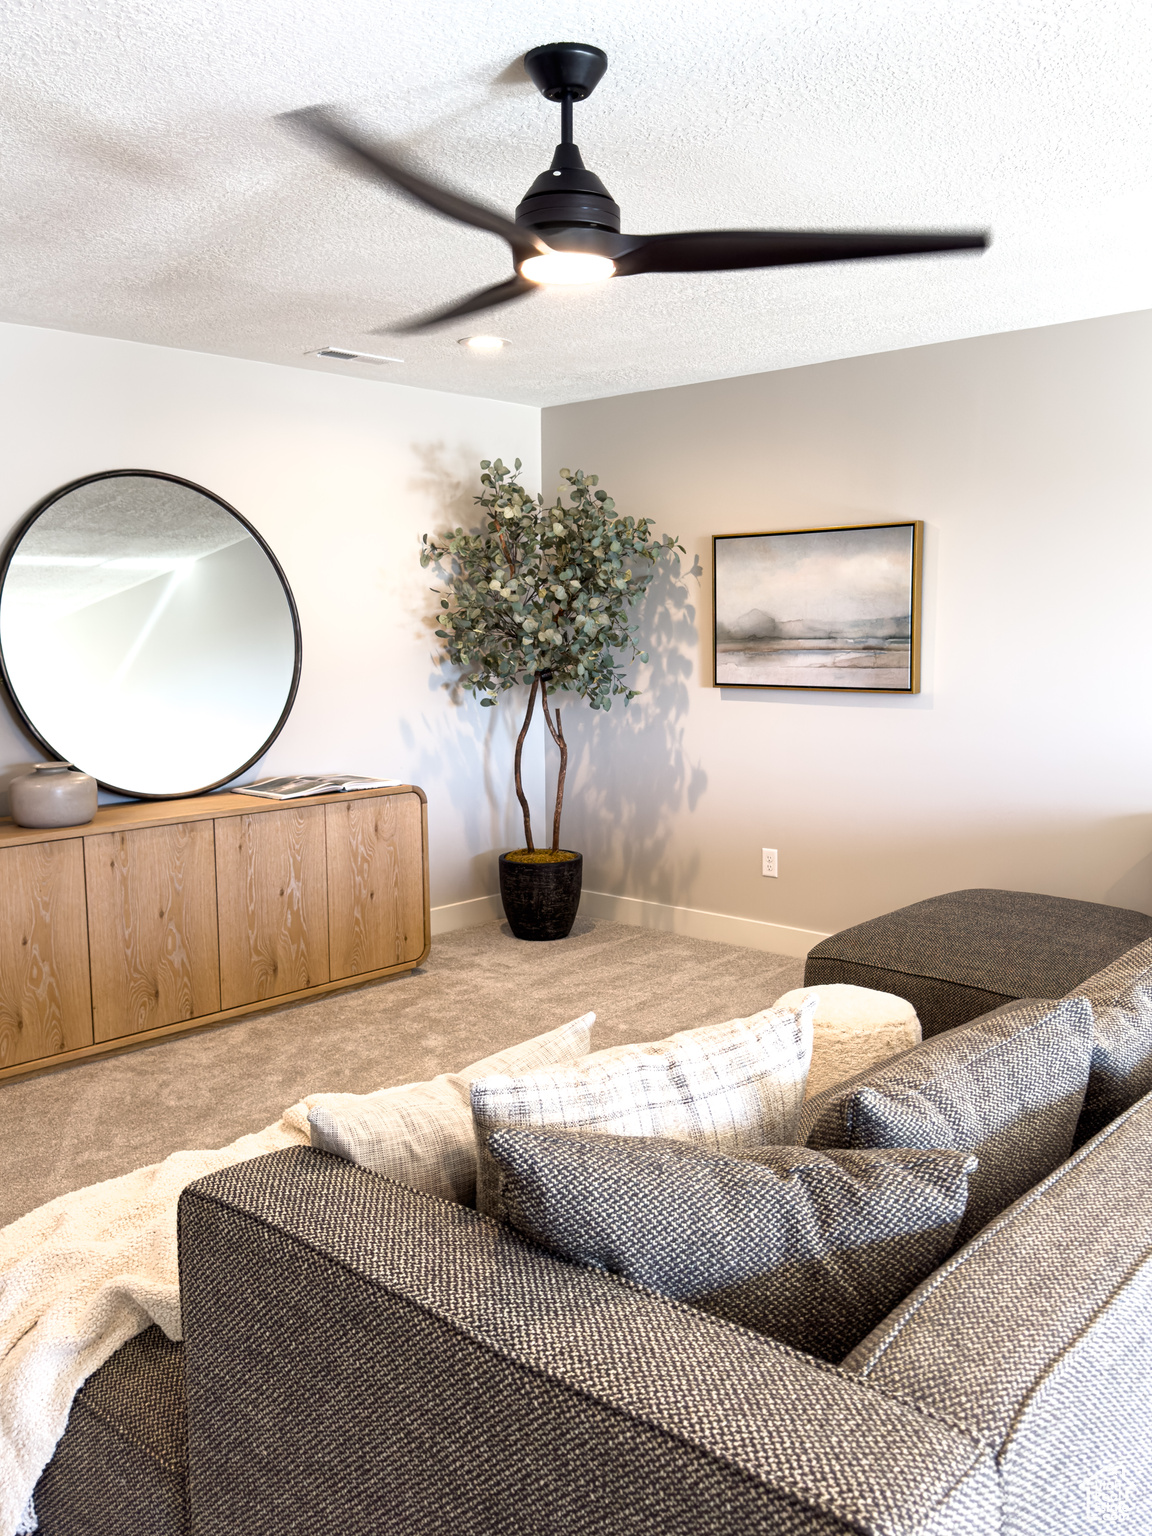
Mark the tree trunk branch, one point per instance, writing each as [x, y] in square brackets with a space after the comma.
[528, 843]
[557, 733]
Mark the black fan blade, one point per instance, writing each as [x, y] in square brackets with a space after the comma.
[718, 250]
[486, 298]
[371, 160]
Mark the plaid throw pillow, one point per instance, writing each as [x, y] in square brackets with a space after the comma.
[421, 1134]
[725, 1086]
[812, 1248]
[1008, 1087]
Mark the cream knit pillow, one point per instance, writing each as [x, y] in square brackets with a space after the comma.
[853, 1028]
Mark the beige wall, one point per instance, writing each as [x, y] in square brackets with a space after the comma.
[341, 476]
[1024, 762]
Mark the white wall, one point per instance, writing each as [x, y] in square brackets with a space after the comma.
[341, 476]
[1025, 762]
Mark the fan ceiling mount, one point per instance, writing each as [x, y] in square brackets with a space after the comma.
[567, 225]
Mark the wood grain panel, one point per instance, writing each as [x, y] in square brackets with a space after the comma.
[272, 888]
[152, 927]
[277, 891]
[375, 883]
[45, 1002]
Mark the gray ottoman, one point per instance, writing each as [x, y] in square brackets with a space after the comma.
[957, 956]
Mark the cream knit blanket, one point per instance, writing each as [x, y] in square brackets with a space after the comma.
[83, 1274]
[78, 1278]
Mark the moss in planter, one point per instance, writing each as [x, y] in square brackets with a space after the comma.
[540, 856]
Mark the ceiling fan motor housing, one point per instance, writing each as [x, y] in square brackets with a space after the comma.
[567, 196]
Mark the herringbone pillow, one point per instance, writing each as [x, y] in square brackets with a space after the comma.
[812, 1248]
[421, 1134]
[724, 1086]
[1008, 1086]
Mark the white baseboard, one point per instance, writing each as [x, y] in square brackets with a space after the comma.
[719, 926]
[465, 914]
[775, 938]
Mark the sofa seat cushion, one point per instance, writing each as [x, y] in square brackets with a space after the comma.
[1008, 1087]
[421, 1134]
[957, 956]
[853, 1028]
[1036, 1339]
[122, 1463]
[1121, 1073]
[811, 1248]
[725, 1086]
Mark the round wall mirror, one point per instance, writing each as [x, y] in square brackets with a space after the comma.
[147, 634]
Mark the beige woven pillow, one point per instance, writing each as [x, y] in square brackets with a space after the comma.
[724, 1087]
[421, 1134]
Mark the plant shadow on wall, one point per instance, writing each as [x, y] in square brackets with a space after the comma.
[631, 771]
[543, 595]
[468, 742]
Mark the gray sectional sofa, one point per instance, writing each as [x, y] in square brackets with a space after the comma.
[363, 1358]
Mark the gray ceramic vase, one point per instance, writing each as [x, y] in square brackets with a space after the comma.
[53, 795]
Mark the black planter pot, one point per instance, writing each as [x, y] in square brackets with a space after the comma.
[540, 900]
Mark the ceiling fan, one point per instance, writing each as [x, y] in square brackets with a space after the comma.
[567, 227]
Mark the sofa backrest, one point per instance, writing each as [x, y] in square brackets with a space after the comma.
[1036, 1339]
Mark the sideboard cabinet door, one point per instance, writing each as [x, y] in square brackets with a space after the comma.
[152, 927]
[45, 1004]
[375, 883]
[272, 889]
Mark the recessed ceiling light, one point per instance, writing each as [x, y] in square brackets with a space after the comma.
[346, 355]
[483, 343]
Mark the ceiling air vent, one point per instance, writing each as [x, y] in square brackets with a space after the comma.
[345, 355]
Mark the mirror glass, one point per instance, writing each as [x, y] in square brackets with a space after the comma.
[147, 634]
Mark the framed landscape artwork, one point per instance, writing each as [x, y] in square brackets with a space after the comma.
[831, 608]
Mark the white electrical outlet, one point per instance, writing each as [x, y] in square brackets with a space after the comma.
[771, 866]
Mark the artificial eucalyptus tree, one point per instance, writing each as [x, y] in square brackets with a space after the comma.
[541, 595]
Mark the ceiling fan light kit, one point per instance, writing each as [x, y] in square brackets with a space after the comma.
[567, 225]
[567, 268]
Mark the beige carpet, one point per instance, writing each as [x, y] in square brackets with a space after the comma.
[479, 990]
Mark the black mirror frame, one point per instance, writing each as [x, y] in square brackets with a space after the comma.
[153, 474]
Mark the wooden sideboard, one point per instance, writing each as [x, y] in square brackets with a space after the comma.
[162, 916]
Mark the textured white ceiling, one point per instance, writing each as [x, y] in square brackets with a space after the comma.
[148, 195]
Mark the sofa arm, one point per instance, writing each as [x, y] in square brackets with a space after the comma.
[364, 1358]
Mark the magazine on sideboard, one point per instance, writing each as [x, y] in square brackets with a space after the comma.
[296, 786]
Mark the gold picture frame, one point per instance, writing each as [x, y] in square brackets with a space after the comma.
[808, 608]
